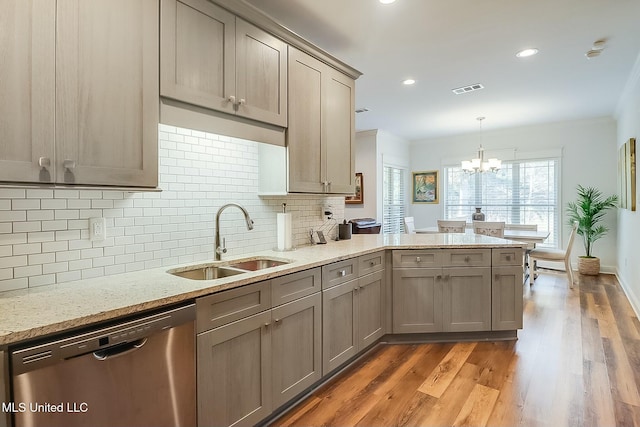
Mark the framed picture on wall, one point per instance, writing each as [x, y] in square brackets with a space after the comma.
[358, 198]
[425, 187]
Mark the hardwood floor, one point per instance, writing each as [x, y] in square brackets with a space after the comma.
[576, 363]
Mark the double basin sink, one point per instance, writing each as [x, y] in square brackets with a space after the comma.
[226, 269]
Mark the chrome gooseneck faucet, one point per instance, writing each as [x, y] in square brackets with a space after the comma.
[221, 249]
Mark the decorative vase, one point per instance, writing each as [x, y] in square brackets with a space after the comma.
[478, 215]
[589, 266]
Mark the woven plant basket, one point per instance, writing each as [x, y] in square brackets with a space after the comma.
[589, 266]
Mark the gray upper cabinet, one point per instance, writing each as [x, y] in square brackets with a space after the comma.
[27, 91]
[87, 107]
[213, 59]
[321, 132]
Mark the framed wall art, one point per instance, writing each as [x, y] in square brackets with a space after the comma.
[425, 187]
[358, 198]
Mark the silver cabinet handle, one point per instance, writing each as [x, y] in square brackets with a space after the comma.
[44, 162]
[69, 164]
[343, 273]
[277, 320]
[418, 259]
[243, 101]
[371, 263]
[266, 325]
[232, 99]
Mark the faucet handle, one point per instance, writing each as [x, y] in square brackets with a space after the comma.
[223, 248]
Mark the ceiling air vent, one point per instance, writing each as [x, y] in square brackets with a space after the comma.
[465, 89]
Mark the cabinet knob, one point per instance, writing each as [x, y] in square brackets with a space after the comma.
[232, 99]
[371, 263]
[439, 277]
[467, 259]
[277, 320]
[266, 325]
[418, 259]
[343, 273]
[44, 162]
[508, 257]
[69, 164]
[243, 101]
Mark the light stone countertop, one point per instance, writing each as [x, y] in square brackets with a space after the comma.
[37, 312]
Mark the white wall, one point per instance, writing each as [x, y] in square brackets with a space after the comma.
[589, 158]
[44, 233]
[629, 222]
[366, 146]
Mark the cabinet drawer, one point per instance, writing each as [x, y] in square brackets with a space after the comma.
[228, 306]
[371, 263]
[420, 258]
[466, 258]
[293, 286]
[339, 272]
[506, 256]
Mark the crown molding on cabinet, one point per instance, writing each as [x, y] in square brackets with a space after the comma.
[257, 17]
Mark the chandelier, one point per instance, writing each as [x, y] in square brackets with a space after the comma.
[479, 164]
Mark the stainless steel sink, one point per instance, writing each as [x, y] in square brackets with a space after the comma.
[258, 264]
[232, 268]
[207, 273]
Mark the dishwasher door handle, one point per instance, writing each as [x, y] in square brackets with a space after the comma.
[119, 350]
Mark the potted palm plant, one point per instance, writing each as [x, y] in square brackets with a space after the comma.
[589, 210]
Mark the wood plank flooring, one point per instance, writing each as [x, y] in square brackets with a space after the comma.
[576, 363]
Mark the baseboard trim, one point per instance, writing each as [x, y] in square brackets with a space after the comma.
[631, 297]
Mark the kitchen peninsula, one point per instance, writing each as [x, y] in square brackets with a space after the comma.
[37, 312]
[271, 335]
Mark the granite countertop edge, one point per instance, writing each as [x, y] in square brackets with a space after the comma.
[38, 312]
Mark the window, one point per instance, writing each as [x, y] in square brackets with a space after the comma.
[522, 192]
[393, 200]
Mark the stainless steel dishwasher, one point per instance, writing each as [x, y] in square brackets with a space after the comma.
[140, 372]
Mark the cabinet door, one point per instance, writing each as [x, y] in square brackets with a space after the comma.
[197, 54]
[296, 342]
[339, 132]
[507, 298]
[304, 132]
[261, 75]
[370, 311]
[417, 300]
[107, 92]
[339, 341]
[234, 373]
[467, 299]
[27, 90]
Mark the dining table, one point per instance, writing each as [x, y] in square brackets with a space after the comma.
[526, 236]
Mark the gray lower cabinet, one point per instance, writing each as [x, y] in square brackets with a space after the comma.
[251, 366]
[296, 344]
[442, 291]
[234, 373]
[507, 289]
[352, 316]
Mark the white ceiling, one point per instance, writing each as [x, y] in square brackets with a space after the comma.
[445, 44]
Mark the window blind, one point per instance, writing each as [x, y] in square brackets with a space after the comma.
[521, 192]
[393, 200]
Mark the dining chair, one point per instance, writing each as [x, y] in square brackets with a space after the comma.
[451, 226]
[409, 226]
[555, 255]
[530, 246]
[489, 228]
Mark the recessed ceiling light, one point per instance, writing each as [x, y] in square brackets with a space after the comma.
[387, 1]
[408, 82]
[527, 52]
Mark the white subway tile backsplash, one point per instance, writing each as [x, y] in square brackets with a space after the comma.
[44, 233]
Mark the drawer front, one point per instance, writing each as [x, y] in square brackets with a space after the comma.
[506, 256]
[371, 263]
[228, 306]
[339, 272]
[417, 258]
[293, 286]
[466, 258]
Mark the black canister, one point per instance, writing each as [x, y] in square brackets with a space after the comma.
[344, 231]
